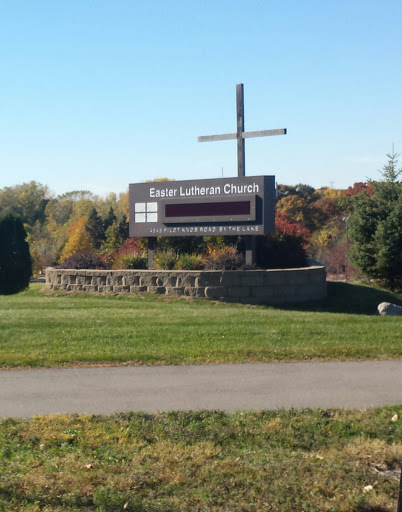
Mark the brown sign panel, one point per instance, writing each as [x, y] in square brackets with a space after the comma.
[224, 206]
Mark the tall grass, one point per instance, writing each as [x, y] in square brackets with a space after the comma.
[327, 461]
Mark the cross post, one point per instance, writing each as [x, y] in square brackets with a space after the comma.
[241, 157]
[240, 135]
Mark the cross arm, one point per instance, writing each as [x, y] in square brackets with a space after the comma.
[245, 135]
[264, 133]
[225, 136]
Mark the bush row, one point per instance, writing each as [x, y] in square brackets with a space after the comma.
[273, 251]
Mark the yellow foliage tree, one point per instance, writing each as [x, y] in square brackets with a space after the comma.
[296, 208]
[332, 193]
[124, 202]
[78, 239]
[327, 236]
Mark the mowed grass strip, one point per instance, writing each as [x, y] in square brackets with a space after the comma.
[37, 329]
[326, 461]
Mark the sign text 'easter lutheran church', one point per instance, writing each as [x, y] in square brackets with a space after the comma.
[224, 206]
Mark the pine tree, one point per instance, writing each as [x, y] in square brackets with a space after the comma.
[375, 228]
[110, 219]
[95, 229]
[123, 228]
[113, 239]
[389, 172]
[15, 260]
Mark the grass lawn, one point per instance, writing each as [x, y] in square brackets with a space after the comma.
[37, 329]
[333, 461]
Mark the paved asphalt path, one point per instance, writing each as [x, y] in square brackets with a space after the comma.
[25, 393]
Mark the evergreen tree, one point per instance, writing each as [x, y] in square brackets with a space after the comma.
[110, 219]
[95, 228]
[15, 260]
[113, 238]
[389, 172]
[123, 228]
[376, 228]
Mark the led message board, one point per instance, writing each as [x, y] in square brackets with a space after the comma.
[224, 206]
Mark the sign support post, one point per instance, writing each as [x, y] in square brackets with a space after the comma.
[151, 250]
[250, 246]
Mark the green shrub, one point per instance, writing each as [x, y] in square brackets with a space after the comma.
[165, 260]
[189, 262]
[15, 260]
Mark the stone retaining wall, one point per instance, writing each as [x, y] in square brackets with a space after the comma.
[245, 286]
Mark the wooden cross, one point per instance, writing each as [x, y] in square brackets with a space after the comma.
[240, 135]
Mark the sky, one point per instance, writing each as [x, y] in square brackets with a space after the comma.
[95, 95]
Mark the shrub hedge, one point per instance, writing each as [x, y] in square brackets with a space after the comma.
[15, 260]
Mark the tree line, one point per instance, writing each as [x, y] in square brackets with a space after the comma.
[60, 226]
[357, 231]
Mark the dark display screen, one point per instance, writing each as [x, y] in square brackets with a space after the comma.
[207, 209]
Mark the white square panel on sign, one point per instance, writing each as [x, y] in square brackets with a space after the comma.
[152, 207]
[152, 217]
[140, 217]
[139, 207]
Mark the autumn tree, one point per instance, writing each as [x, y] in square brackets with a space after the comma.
[297, 203]
[47, 219]
[358, 188]
[123, 203]
[297, 229]
[61, 212]
[78, 240]
[27, 201]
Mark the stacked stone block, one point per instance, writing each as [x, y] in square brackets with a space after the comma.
[244, 286]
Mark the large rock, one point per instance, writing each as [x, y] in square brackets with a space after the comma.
[388, 309]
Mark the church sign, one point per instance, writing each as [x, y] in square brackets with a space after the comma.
[243, 206]
[224, 206]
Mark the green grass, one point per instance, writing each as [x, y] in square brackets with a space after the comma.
[52, 330]
[327, 461]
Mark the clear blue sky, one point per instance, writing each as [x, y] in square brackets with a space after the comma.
[99, 94]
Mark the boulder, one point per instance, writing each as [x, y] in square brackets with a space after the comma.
[388, 309]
